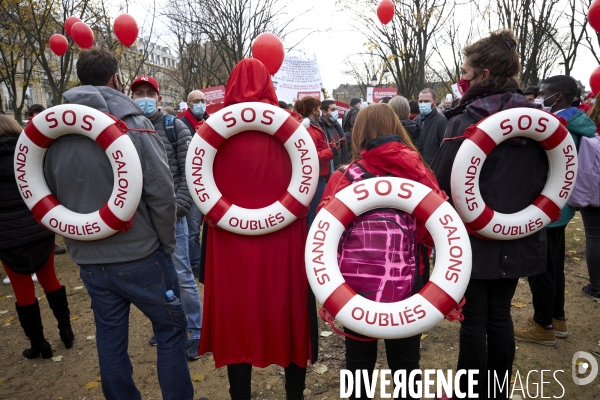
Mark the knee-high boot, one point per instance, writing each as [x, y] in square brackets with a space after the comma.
[31, 322]
[60, 307]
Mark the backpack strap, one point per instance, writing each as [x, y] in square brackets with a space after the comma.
[169, 125]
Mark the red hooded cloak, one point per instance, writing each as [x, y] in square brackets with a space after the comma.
[255, 287]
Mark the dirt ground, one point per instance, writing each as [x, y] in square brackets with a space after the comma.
[76, 374]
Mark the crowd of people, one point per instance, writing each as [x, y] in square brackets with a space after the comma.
[258, 306]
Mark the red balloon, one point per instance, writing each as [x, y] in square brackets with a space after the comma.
[126, 29]
[69, 24]
[58, 44]
[595, 80]
[82, 35]
[268, 49]
[385, 11]
[594, 15]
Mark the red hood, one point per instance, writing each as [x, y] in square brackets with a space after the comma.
[400, 160]
[250, 81]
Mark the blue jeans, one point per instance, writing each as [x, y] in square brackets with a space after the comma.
[193, 223]
[314, 203]
[112, 289]
[190, 298]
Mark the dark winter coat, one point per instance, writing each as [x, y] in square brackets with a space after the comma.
[433, 126]
[17, 225]
[512, 176]
[414, 131]
[334, 132]
[348, 120]
[176, 154]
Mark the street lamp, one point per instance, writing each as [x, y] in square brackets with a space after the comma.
[374, 80]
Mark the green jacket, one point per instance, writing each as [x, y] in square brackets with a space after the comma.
[579, 124]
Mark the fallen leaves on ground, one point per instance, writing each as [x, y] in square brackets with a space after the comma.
[3, 312]
[11, 319]
[576, 259]
[57, 358]
[518, 304]
[3, 298]
[42, 297]
[572, 251]
[78, 287]
[90, 337]
[74, 318]
[424, 336]
[326, 333]
[320, 368]
[197, 378]
[91, 385]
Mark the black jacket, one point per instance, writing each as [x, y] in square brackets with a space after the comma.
[414, 131]
[334, 132]
[189, 126]
[512, 176]
[433, 126]
[17, 225]
[349, 118]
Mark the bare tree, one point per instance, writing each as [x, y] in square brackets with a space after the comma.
[405, 44]
[362, 67]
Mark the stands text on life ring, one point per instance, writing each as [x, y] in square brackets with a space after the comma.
[417, 313]
[541, 126]
[65, 119]
[257, 117]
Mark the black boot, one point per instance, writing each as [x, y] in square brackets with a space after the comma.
[60, 308]
[31, 322]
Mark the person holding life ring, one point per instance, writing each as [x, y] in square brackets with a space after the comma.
[511, 178]
[381, 147]
[256, 296]
[310, 108]
[27, 247]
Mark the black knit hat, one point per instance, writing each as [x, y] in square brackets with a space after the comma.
[354, 101]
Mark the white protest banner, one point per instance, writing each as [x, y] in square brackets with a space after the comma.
[299, 75]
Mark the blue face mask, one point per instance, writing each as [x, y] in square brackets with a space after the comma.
[147, 105]
[198, 109]
[334, 116]
[425, 108]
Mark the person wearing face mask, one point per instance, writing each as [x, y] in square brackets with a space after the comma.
[433, 124]
[176, 138]
[489, 85]
[194, 114]
[329, 124]
[548, 321]
[131, 267]
[582, 105]
[327, 149]
[196, 110]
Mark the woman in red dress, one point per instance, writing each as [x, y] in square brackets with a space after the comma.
[256, 292]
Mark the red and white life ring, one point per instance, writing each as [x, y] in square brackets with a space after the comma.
[547, 130]
[111, 135]
[419, 312]
[263, 118]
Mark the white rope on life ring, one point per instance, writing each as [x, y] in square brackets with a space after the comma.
[548, 131]
[257, 117]
[111, 135]
[417, 313]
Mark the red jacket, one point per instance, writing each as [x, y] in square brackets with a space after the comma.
[389, 156]
[324, 152]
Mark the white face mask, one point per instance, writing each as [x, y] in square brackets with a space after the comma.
[541, 102]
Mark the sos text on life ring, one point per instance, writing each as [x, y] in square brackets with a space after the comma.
[257, 117]
[407, 317]
[32, 145]
[541, 126]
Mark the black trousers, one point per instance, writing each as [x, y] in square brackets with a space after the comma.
[487, 341]
[591, 223]
[402, 354]
[240, 381]
[548, 288]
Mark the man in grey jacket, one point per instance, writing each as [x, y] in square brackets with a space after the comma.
[132, 267]
[176, 139]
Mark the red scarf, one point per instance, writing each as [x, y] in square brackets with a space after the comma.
[191, 118]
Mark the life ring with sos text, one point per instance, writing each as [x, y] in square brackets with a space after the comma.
[111, 136]
[532, 123]
[260, 117]
[436, 300]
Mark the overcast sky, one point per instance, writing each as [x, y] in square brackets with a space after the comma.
[336, 39]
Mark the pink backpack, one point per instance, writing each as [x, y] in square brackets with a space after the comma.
[377, 253]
